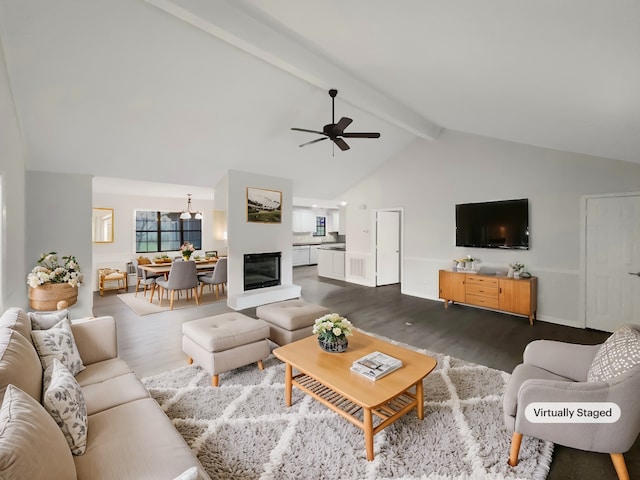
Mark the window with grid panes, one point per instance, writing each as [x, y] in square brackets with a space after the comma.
[165, 231]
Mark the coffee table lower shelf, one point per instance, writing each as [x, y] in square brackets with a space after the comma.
[388, 412]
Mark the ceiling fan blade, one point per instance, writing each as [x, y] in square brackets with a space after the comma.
[313, 141]
[361, 135]
[308, 131]
[342, 124]
[341, 144]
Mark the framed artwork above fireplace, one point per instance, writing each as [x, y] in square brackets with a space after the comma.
[264, 206]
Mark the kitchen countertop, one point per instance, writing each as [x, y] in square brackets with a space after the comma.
[317, 243]
[341, 248]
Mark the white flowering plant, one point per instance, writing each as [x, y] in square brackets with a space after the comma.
[517, 267]
[186, 249]
[332, 326]
[49, 270]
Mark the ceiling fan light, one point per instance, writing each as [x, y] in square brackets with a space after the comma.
[185, 215]
[198, 216]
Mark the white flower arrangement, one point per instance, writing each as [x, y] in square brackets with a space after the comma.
[332, 325]
[516, 267]
[50, 271]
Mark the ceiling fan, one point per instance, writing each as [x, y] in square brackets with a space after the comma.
[335, 131]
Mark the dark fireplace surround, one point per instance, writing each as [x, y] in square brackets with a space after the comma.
[262, 270]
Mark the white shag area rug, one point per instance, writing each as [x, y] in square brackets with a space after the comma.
[243, 430]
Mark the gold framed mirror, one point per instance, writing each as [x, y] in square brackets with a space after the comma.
[102, 225]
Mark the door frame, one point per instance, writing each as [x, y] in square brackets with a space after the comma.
[374, 241]
[582, 311]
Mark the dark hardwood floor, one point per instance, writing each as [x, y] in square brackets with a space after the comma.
[152, 344]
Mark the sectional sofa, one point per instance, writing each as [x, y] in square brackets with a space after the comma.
[127, 435]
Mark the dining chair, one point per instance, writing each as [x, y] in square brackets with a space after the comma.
[217, 278]
[182, 276]
[144, 278]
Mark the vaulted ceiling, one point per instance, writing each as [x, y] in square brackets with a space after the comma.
[182, 91]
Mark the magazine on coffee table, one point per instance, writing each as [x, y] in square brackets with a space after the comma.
[375, 365]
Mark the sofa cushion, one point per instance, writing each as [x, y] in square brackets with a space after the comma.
[17, 319]
[113, 392]
[135, 440]
[31, 444]
[46, 320]
[617, 355]
[19, 364]
[64, 401]
[102, 371]
[58, 342]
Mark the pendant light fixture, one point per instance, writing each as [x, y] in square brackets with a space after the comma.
[186, 214]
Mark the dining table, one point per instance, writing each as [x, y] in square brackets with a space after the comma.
[203, 265]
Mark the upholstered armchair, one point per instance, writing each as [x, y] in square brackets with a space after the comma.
[182, 276]
[568, 373]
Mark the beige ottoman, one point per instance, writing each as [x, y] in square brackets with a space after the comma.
[223, 342]
[290, 320]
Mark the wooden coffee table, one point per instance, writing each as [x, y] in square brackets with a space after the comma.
[327, 378]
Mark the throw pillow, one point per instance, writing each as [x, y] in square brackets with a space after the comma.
[64, 401]
[46, 320]
[189, 474]
[16, 319]
[617, 355]
[58, 342]
[31, 444]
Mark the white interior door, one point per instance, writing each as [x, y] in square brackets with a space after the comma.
[612, 261]
[387, 248]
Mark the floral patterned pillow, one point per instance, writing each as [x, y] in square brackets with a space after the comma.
[64, 401]
[58, 342]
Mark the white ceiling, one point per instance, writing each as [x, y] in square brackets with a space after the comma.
[182, 91]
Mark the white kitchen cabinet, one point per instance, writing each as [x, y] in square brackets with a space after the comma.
[313, 254]
[335, 221]
[303, 221]
[331, 263]
[342, 227]
[300, 255]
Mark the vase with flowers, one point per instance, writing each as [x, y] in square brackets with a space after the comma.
[332, 330]
[54, 284]
[186, 249]
[515, 269]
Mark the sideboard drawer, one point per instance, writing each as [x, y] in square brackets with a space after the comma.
[482, 290]
[482, 281]
[489, 302]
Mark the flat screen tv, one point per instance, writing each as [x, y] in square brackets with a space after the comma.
[501, 224]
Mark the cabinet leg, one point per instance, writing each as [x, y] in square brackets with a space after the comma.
[446, 304]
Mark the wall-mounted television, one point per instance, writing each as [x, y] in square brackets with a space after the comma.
[501, 224]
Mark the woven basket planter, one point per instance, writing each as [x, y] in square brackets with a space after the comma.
[52, 296]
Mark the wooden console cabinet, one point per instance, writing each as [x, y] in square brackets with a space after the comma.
[519, 296]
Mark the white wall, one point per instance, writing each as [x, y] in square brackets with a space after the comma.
[123, 248]
[13, 269]
[429, 178]
[245, 237]
[58, 211]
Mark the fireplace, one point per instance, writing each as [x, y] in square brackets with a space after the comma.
[261, 270]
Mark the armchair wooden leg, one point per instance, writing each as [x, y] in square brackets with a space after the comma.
[516, 440]
[214, 381]
[260, 365]
[620, 466]
[189, 360]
